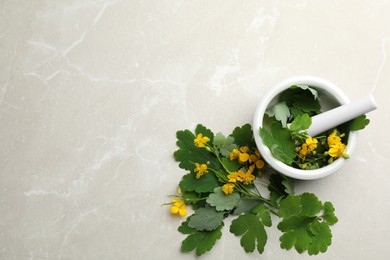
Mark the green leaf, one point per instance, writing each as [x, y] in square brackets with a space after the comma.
[310, 205]
[202, 241]
[290, 206]
[280, 111]
[219, 140]
[300, 123]
[305, 223]
[190, 197]
[306, 102]
[231, 166]
[279, 142]
[276, 188]
[206, 183]
[313, 91]
[245, 206]
[295, 112]
[197, 200]
[263, 213]
[185, 229]
[243, 136]
[284, 141]
[322, 238]
[329, 215]
[224, 144]
[306, 204]
[188, 153]
[296, 233]
[359, 123]
[221, 202]
[288, 184]
[252, 231]
[206, 219]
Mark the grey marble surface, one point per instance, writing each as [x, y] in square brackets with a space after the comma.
[93, 92]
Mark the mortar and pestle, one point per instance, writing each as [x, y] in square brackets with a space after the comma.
[336, 110]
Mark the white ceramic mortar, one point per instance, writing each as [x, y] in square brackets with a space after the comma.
[330, 97]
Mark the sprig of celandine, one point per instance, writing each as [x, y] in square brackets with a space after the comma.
[220, 183]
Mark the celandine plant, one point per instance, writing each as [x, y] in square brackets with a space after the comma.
[225, 177]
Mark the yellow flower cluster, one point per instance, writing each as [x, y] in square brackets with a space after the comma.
[178, 207]
[249, 160]
[307, 147]
[336, 147]
[241, 176]
[238, 176]
[243, 156]
[200, 169]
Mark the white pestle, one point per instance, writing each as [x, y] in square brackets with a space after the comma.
[339, 115]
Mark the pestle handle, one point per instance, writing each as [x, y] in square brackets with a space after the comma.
[340, 115]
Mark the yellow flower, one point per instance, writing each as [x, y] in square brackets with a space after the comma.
[303, 151]
[228, 188]
[247, 177]
[259, 164]
[200, 140]
[333, 139]
[243, 157]
[200, 169]
[253, 158]
[178, 207]
[234, 177]
[337, 150]
[311, 143]
[251, 168]
[234, 154]
[244, 149]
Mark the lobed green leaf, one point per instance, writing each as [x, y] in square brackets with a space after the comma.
[295, 233]
[207, 183]
[359, 123]
[313, 91]
[206, 219]
[222, 202]
[279, 187]
[280, 111]
[301, 122]
[310, 205]
[245, 206]
[225, 145]
[306, 102]
[303, 225]
[321, 239]
[252, 231]
[200, 241]
[279, 141]
[290, 206]
[263, 213]
[201, 129]
[329, 215]
[243, 136]
[188, 153]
